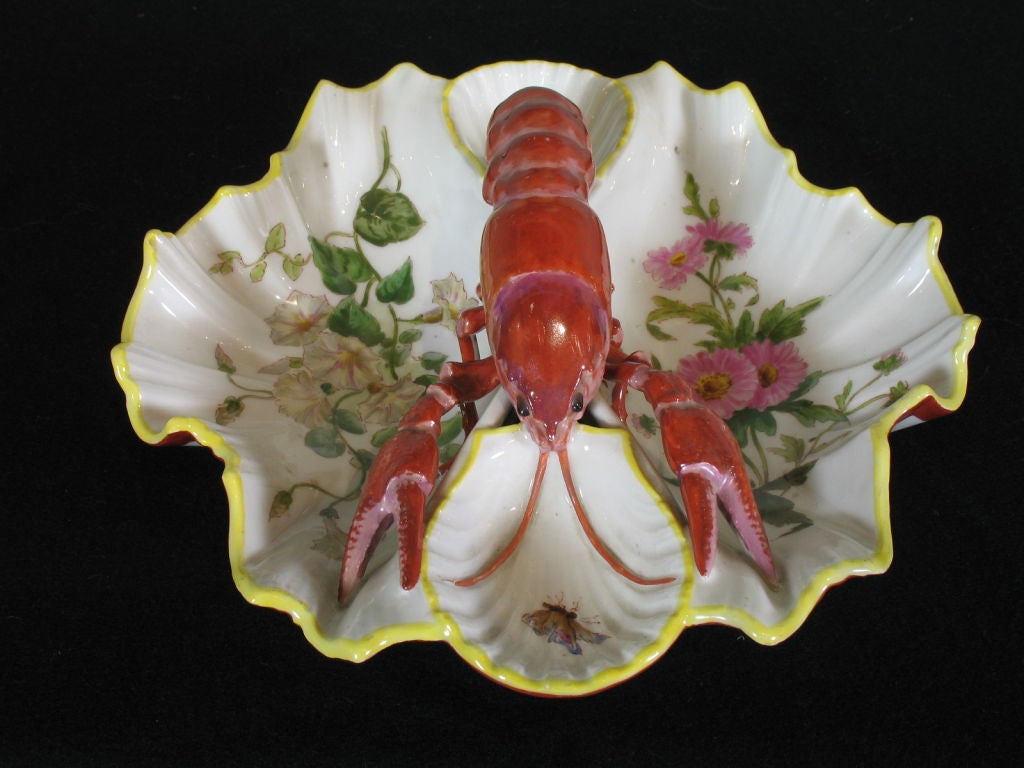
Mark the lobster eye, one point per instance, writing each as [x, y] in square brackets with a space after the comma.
[577, 402]
[522, 408]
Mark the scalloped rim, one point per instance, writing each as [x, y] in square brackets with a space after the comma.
[680, 618]
[360, 649]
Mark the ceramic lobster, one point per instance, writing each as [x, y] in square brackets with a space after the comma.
[546, 290]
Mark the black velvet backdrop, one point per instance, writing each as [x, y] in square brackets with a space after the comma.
[122, 637]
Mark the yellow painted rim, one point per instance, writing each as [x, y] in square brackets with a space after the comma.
[443, 628]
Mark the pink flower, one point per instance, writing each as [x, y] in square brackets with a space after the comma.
[671, 266]
[727, 240]
[780, 369]
[722, 380]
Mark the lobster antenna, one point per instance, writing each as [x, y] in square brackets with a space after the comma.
[595, 540]
[531, 507]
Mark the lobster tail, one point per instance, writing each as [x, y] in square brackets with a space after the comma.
[537, 145]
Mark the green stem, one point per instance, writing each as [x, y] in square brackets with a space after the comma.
[761, 454]
[266, 392]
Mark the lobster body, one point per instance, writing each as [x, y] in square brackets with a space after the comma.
[546, 289]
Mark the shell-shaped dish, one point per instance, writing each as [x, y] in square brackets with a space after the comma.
[289, 324]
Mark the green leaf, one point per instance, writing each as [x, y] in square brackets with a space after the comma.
[843, 398]
[395, 355]
[292, 267]
[805, 386]
[713, 208]
[744, 333]
[324, 442]
[224, 361]
[779, 511]
[340, 268]
[792, 450]
[363, 459]
[659, 334]
[432, 361]
[385, 217]
[425, 380]
[781, 323]
[737, 282]
[700, 313]
[258, 271]
[229, 255]
[751, 419]
[691, 191]
[350, 319]
[381, 436]
[448, 452]
[808, 413]
[411, 335]
[348, 421]
[397, 287]
[275, 239]
[449, 430]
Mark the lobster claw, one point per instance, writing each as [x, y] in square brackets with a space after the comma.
[704, 455]
[395, 493]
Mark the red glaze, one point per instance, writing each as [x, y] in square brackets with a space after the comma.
[546, 288]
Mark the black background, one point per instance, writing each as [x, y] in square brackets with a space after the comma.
[122, 638]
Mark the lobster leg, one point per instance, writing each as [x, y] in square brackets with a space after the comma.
[705, 457]
[403, 475]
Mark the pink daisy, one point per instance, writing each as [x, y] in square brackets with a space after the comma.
[780, 369]
[671, 266]
[722, 380]
[735, 237]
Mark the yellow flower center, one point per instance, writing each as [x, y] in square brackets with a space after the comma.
[713, 386]
[767, 375]
[678, 259]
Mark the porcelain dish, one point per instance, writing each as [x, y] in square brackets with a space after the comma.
[254, 332]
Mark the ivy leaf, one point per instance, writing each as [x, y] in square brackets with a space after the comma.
[292, 267]
[323, 442]
[275, 239]
[385, 217]
[348, 421]
[350, 319]
[781, 323]
[362, 459]
[432, 361]
[340, 268]
[396, 354]
[397, 287]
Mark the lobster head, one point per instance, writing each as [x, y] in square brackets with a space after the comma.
[550, 334]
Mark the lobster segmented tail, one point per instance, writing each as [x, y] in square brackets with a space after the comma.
[537, 145]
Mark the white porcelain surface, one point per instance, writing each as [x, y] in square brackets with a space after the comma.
[239, 357]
